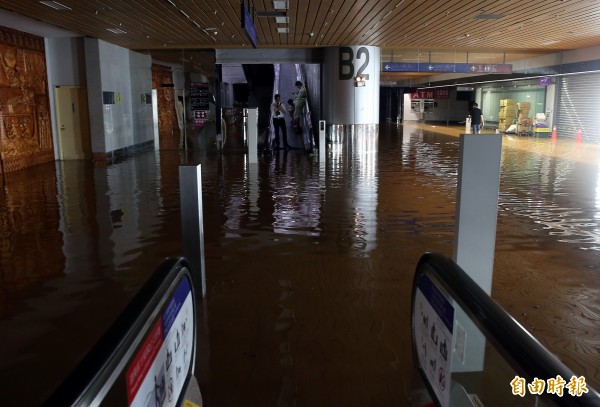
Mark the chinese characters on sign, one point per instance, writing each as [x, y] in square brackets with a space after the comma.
[160, 369]
[575, 387]
[446, 67]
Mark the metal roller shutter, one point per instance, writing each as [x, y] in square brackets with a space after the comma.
[579, 107]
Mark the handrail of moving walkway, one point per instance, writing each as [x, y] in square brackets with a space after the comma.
[105, 364]
[521, 350]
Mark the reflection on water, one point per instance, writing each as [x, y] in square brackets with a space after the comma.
[309, 264]
[559, 196]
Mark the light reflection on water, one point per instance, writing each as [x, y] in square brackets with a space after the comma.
[559, 195]
[76, 235]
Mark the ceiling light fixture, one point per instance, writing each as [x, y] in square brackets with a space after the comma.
[281, 4]
[55, 5]
[116, 31]
[489, 16]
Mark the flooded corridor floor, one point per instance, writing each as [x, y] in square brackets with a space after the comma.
[309, 265]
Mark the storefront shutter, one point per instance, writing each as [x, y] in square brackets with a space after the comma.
[579, 107]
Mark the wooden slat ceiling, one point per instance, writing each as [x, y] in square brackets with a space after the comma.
[440, 31]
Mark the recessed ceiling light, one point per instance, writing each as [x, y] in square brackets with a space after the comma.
[282, 30]
[281, 20]
[116, 31]
[281, 4]
[55, 5]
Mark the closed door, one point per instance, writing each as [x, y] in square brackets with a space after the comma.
[73, 123]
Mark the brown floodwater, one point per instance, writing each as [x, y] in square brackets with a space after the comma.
[309, 265]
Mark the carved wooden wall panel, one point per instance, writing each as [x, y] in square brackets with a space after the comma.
[168, 126]
[161, 76]
[25, 128]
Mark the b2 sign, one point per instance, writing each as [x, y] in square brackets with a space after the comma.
[349, 66]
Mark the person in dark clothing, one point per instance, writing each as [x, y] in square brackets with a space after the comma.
[278, 113]
[476, 119]
[291, 103]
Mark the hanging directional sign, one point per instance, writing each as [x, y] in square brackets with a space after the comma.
[445, 67]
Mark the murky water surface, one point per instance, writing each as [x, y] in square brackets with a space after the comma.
[309, 265]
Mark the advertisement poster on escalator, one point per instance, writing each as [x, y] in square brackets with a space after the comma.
[157, 374]
[433, 337]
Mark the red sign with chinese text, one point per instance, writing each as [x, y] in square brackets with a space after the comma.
[431, 94]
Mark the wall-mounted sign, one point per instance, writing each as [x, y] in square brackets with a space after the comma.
[431, 94]
[108, 98]
[199, 95]
[199, 89]
[544, 80]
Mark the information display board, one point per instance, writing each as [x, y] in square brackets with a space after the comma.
[446, 67]
[434, 318]
[200, 99]
[199, 95]
[159, 369]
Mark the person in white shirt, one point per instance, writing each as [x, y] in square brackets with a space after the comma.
[278, 113]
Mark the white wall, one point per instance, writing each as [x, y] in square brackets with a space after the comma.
[112, 68]
[65, 57]
[115, 76]
[141, 84]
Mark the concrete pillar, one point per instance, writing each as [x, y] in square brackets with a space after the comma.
[351, 86]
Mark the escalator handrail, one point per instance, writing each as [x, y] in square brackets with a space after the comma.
[96, 371]
[522, 351]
